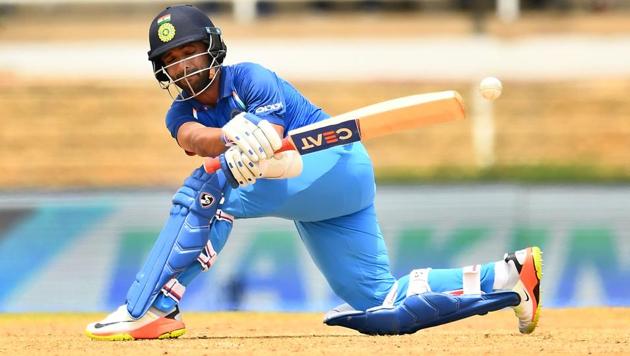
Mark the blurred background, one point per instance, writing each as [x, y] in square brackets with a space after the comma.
[88, 167]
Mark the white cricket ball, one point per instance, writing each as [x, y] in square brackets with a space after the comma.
[490, 88]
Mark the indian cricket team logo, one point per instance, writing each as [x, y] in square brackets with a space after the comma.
[206, 200]
[166, 32]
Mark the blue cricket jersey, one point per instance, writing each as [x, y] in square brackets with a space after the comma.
[252, 88]
[334, 182]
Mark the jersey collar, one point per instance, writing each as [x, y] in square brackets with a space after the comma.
[225, 89]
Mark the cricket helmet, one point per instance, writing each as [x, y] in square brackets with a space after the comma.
[178, 25]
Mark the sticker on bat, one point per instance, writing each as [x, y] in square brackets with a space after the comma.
[327, 136]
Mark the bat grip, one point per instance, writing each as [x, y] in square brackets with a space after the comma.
[211, 165]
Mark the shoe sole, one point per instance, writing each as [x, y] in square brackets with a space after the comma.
[538, 265]
[127, 337]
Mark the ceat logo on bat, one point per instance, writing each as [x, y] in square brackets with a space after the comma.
[327, 136]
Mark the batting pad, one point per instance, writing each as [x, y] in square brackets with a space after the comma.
[420, 311]
[181, 241]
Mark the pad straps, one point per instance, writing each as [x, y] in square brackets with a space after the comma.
[471, 279]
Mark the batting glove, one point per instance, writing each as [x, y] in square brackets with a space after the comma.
[241, 166]
[254, 137]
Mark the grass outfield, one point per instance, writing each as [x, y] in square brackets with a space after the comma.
[567, 331]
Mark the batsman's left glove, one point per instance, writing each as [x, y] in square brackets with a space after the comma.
[241, 166]
[282, 165]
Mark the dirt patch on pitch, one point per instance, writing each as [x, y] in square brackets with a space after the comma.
[579, 331]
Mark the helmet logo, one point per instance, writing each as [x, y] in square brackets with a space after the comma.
[166, 32]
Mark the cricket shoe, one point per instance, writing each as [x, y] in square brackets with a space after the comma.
[528, 263]
[120, 326]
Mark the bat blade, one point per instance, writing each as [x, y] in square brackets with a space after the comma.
[409, 113]
[406, 113]
[377, 120]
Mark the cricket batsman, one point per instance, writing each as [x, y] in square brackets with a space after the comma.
[240, 113]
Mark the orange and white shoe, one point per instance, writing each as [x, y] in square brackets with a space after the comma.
[120, 326]
[528, 263]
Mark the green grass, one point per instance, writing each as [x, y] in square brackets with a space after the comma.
[531, 174]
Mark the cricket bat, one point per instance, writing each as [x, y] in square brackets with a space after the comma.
[384, 118]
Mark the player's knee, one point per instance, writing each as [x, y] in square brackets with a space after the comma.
[362, 296]
[199, 193]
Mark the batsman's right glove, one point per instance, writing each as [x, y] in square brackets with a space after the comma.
[253, 136]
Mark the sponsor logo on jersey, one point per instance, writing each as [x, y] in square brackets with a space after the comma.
[268, 108]
[326, 137]
[206, 200]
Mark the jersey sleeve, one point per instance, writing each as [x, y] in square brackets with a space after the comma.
[261, 92]
[177, 115]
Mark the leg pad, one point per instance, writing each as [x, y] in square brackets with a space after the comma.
[182, 239]
[420, 311]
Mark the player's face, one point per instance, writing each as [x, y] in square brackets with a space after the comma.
[188, 66]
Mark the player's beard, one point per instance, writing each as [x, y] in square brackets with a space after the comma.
[194, 84]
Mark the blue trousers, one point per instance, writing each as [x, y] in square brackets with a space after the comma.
[332, 205]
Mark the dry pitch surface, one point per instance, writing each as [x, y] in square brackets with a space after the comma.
[569, 331]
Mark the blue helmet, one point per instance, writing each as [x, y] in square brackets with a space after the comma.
[178, 25]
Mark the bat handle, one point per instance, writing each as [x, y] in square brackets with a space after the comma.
[287, 145]
[211, 165]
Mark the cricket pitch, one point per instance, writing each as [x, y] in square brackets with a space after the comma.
[566, 331]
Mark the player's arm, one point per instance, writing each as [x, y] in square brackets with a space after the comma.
[200, 140]
[206, 141]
